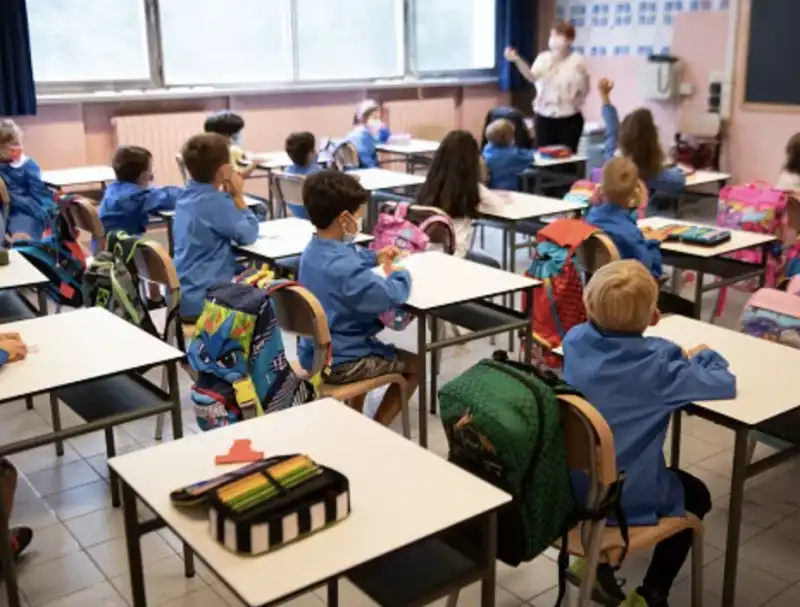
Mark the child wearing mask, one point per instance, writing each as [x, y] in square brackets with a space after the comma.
[368, 129]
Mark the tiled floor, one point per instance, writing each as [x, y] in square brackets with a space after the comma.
[78, 557]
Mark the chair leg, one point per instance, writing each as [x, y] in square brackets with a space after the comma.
[483, 237]
[592, 560]
[161, 418]
[752, 442]
[405, 414]
[452, 600]
[697, 569]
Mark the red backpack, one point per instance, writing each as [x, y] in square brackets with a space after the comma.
[558, 303]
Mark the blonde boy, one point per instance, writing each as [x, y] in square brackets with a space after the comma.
[503, 158]
[636, 383]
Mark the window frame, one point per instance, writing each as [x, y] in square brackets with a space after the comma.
[157, 83]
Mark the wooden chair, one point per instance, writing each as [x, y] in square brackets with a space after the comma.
[299, 312]
[597, 251]
[285, 189]
[345, 156]
[5, 201]
[590, 449]
[82, 215]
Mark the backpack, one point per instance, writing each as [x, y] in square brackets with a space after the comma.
[61, 259]
[753, 207]
[395, 229]
[237, 352]
[582, 191]
[112, 282]
[502, 421]
[558, 305]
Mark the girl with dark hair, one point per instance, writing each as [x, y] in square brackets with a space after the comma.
[789, 178]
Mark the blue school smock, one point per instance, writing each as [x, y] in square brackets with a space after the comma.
[505, 164]
[341, 276]
[636, 383]
[364, 140]
[296, 207]
[32, 202]
[205, 228]
[127, 206]
[621, 227]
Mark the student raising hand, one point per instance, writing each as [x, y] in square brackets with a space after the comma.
[12, 347]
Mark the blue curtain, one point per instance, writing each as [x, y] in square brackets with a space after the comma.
[17, 90]
[516, 26]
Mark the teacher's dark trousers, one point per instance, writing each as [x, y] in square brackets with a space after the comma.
[559, 131]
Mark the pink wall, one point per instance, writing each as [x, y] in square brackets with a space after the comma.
[76, 134]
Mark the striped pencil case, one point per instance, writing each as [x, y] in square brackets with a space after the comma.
[284, 499]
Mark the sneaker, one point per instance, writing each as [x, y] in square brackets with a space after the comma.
[636, 599]
[607, 589]
[20, 539]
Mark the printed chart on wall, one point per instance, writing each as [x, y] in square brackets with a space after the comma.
[627, 27]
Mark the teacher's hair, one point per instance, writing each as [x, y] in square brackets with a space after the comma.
[453, 177]
[638, 140]
[566, 29]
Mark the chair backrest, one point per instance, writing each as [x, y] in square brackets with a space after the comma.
[4, 197]
[156, 266]
[286, 189]
[345, 155]
[81, 214]
[299, 312]
[597, 251]
[182, 167]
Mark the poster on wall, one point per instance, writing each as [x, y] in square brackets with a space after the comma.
[618, 28]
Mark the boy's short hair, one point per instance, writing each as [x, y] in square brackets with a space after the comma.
[227, 124]
[327, 194]
[620, 181]
[299, 146]
[130, 161]
[204, 154]
[10, 133]
[621, 296]
[500, 132]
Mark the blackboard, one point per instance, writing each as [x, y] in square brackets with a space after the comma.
[773, 53]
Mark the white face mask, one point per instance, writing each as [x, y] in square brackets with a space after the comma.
[350, 237]
[557, 43]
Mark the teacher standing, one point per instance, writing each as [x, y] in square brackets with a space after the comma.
[561, 77]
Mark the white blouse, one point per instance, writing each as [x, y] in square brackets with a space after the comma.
[562, 84]
[489, 201]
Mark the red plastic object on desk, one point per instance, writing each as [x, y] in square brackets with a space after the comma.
[240, 452]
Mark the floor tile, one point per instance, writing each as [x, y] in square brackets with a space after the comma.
[773, 553]
[754, 587]
[99, 462]
[35, 514]
[790, 529]
[58, 578]
[43, 458]
[97, 527]
[790, 598]
[203, 598]
[530, 579]
[717, 485]
[471, 597]
[759, 508]
[164, 582]
[112, 557]
[93, 444]
[50, 543]
[716, 525]
[55, 480]
[101, 595]
[306, 600]
[80, 500]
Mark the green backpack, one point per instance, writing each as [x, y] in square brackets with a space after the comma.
[503, 424]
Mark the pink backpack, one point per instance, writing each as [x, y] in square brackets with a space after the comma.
[395, 229]
[754, 207]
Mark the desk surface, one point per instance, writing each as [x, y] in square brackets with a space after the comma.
[19, 273]
[703, 177]
[739, 240]
[287, 237]
[78, 346]
[270, 160]
[383, 179]
[439, 280]
[409, 147]
[391, 484]
[60, 178]
[544, 162]
[522, 206]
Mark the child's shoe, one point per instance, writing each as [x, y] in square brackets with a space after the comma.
[641, 598]
[606, 589]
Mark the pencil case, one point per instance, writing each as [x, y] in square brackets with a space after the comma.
[284, 499]
[704, 237]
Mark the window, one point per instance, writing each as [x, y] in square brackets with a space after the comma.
[216, 42]
[88, 40]
[454, 35]
[350, 39]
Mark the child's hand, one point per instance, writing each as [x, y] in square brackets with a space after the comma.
[659, 235]
[16, 348]
[605, 86]
[511, 54]
[387, 255]
[696, 350]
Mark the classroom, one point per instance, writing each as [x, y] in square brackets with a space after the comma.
[400, 303]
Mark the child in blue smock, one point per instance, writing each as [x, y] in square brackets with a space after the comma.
[129, 201]
[353, 294]
[302, 151]
[636, 383]
[211, 215]
[368, 129]
[32, 203]
[504, 160]
[638, 140]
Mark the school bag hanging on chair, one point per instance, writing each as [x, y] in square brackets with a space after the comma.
[396, 229]
[112, 282]
[558, 303]
[503, 424]
[237, 351]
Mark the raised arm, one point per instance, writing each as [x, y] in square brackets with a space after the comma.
[532, 73]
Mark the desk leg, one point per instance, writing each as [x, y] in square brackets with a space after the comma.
[698, 295]
[512, 236]
[675, 443]
[527, 343]
[762, 280]
[170, 243]
[175, 397]
[333, 593]
[422, 391]
[7, 565]
[435, 360]
[133, 546]
[41, 298]
[55, 415]
[735, 517]
[489, 581]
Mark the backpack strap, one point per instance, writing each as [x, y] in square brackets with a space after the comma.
[401, 210]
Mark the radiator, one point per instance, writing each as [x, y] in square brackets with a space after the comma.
[163, 135]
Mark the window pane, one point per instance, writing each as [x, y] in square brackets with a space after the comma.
[219, 42]
[88, 40]
[350, 39]
[454, 34]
